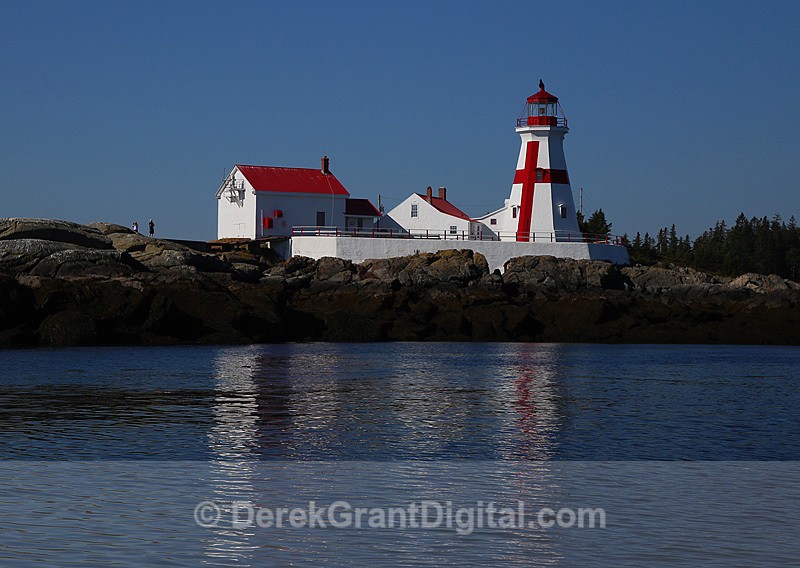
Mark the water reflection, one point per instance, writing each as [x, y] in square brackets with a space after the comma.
[537, 400]
[329, 402]
[232, 439]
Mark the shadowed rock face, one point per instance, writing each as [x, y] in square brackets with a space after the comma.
[123, 288]
[51, 230]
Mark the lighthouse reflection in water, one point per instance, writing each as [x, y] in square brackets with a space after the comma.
[294, 402]
[294, 424]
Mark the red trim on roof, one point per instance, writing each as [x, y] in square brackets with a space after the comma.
[292, 180]
[446, 207]
[360, 208]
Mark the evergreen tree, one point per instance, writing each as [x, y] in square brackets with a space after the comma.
[767, 246]
[597, 224]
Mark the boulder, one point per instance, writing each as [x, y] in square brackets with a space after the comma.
[334, 271]
[20, 256]
[109, 229]
[62, 260]
[246, 272]
[68, 328]
[53, 230]
[425, 269]
[551, 275]
[763, 284]
[655, 279]
[165, 255]
[129, 242]
[16, 303]
[86, 262]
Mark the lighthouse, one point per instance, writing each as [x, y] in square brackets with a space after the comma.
[541, 182]
[541, 207]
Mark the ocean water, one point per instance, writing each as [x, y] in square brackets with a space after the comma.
[400, 454]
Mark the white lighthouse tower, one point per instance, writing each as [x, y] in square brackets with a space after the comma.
[541, 207]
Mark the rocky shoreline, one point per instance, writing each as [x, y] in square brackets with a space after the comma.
[64, 284]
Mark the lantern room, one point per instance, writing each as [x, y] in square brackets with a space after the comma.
[542, 109]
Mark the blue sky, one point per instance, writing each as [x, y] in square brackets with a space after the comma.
[679, 112]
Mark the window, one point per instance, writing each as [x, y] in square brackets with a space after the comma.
[539, 174]
[563, 210]
[414, 210]
[493, 221]
[320, 218]
[453, 230]
[514, 212]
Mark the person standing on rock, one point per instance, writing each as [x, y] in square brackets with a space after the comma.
[152, 227]
[135, 226]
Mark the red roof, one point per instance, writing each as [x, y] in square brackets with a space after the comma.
[292, 180]
[360, 208]
[542, 96]
[446, 207]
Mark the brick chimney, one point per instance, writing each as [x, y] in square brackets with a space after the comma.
[429, 194]
[325, 165]
[443, 193]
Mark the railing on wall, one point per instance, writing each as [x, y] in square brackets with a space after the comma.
[449, 235]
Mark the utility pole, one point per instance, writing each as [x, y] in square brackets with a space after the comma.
[580, 201]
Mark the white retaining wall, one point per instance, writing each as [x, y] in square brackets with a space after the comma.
[359, 249]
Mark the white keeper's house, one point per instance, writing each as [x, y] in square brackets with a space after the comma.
[264, 201]
[428, 215]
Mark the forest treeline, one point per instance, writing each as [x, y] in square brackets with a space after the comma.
[762, 245]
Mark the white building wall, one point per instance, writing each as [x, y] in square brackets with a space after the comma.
[497, 253]
[428, 218]
[237, 219]
[562, 195]
[505, 222]
[299, 210]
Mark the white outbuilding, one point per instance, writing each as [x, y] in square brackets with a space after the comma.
[431, 216]
[266, 201]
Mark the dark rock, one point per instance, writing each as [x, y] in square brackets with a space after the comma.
[246, 272]
[164, 255]
[16, 312]
[547, 274]
[87, 262]
[62, 260]
[52, 230]
[656, 279]
[425, 269]
[129, 242]
[110, 228]
[152, 291]
[68, 328]
[763, 284]
[20, 256]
